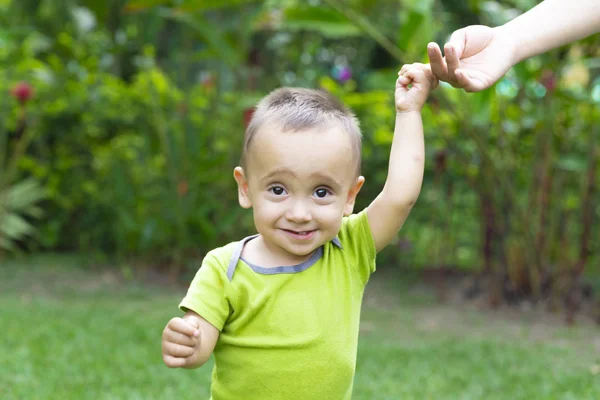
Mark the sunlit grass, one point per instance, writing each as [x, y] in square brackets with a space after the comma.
[68, 334]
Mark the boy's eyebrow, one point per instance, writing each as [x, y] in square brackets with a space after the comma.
[278, 171]
[329, 180]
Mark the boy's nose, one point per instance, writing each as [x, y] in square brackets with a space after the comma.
[299, 212]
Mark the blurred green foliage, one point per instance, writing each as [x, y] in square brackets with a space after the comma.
[139, 117]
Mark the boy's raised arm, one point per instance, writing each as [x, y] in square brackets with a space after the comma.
[390, 209]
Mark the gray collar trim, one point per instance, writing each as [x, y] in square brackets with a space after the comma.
[237, 252]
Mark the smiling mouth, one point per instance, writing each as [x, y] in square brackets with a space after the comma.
[300, 234]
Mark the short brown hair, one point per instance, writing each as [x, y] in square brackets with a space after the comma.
[296, 109]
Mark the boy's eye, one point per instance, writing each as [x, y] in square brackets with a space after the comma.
[321, 193]
[277, 190]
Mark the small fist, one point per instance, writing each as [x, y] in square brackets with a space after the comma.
[415, 82]
[181, 342]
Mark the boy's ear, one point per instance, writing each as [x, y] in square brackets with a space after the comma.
[242, 182]
[349, 207]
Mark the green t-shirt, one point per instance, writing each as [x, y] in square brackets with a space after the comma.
[286, 332]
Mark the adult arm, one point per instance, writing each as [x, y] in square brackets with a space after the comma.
[477, 56]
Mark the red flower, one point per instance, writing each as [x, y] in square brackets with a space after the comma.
[248, 113]
[182, 188]
[549, 80]
[23, 92]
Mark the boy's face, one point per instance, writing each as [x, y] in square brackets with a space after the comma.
[299, 185]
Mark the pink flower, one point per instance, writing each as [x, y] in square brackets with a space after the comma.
[342, 73]
[23, 92]
[549, 80]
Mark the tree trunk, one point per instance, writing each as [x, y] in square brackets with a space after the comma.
[587, 214]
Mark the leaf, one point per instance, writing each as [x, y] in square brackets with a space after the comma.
[209, 33]
[572, 164]
[6, 244]
[411, 24]
[416, 30]
[14, 227]
[23, 194]
[34, 212]
[325, 21]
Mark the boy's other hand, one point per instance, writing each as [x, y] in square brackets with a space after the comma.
[181, 342]
[415, 82]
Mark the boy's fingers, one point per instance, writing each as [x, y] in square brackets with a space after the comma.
[179, 338]
[181, 326]
[416, 75]
[174, 362]
[177, 350]
[404, 68]
[438, 65]
[193, 321]
[403, 80]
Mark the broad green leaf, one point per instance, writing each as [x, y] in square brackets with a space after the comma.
[34, 212]
[14, 227]
[23, 194]
[422, 6]
[572, 164]
[323, 20]
[411, 22]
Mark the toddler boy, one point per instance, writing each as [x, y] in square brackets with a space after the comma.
[280, 310]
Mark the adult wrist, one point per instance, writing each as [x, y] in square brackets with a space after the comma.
[519, 48]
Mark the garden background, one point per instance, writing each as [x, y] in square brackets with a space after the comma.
[120, 125]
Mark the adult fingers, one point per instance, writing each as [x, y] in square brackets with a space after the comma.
[437, 62]
[434, 81]
[458, 39]
[470, 83]
[452, 62]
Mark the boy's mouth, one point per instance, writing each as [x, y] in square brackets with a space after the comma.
[302, 235]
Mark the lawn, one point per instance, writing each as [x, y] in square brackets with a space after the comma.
[72, 334]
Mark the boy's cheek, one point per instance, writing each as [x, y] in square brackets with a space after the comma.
[332, 216]
[267, 211]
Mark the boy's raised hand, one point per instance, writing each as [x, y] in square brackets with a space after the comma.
[181, 341]
[415, 82]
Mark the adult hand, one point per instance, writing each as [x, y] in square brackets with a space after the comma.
[475, 58]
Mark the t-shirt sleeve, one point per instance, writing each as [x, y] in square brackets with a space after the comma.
[357, 241]
[209, 292]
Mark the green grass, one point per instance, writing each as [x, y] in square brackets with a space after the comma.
[71, 334]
